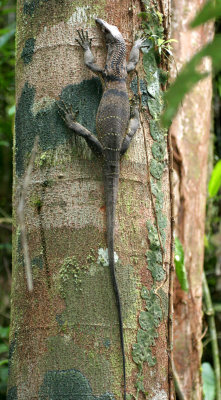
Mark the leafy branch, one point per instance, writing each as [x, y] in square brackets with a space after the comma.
[190, 74]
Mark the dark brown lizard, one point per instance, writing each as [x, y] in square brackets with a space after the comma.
[115, 129]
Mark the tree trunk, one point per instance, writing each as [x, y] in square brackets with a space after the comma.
[65, 339]
[190, 134]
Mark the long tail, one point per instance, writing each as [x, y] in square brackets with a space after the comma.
[111, 179]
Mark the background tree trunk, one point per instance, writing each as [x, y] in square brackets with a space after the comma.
[190, 134]
[65, 334]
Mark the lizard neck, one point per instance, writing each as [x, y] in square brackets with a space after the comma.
[115, 83]
[115, 67]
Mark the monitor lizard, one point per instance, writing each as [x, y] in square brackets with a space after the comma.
[115, 127]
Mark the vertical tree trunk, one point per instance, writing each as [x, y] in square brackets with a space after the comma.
[190, 133]
[65, 334]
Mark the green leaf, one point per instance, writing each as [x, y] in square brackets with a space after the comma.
[11, 110]
[4, 143]
[3, 374]
[206, 242]
[160, 41]
[180, 265]
[188, 77]
[3, 348]
[208, 378]
[215, 180]
[8, 248]
[7, 36]
[212, 9]
[170, 40]
[143, 15]
[4, 332]
[218, 83]
[8, 10]
[217, 307]
[3, 362]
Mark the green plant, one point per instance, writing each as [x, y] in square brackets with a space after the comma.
[215, 180]
[190, 73]
[208, 378]
[4, 333]
[180, 265]
[7, 110]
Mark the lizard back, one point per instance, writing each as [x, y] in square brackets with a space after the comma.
[112, 121]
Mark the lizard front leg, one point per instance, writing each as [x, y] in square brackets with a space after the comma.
[80, 130]
[89, 59]
[135, 54]
[134, 124]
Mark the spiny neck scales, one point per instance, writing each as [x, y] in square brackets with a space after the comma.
[116, 60]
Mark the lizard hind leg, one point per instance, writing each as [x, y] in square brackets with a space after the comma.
[64, 110]
[69, 117]
[134, 124]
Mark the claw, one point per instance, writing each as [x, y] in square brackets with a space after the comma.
[80, 40]
[70, 109]
[63, 107]
[83, 39]
[139, 42]
[61, 111]
[60, 107]
[77, 40]
[79, 33]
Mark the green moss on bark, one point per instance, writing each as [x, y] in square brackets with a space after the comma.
[28, 50]
[71, 383]
[12, 393]
[153, 314]
[48, 124]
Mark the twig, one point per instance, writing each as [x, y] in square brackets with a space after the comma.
[212, 330]
[7, 220]
[21, 216]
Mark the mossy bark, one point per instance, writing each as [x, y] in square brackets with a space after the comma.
[65, 334]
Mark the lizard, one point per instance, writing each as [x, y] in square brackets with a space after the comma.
[115, 126]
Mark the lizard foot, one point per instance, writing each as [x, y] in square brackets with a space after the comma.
[140, 42]
[83, 40]
[66, 113]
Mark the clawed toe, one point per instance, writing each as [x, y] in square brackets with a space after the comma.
[140, 42]
[83, 39]
[61, 110]
[66, 111]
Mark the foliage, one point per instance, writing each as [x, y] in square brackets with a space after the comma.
[215, 180]
[4, 332]
[208, 378]
[180, 265]
[7, 62]
[189, 76]
[152, 24]
[190, 73]
[211, 9]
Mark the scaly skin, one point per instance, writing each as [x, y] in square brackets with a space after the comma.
[115, 129]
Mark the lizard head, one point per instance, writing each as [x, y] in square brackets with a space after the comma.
[112, 33]
[116, 50]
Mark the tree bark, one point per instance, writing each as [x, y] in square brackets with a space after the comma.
[65, 333]
[190, 133]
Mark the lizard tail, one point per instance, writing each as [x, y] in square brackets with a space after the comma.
[111, 179]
